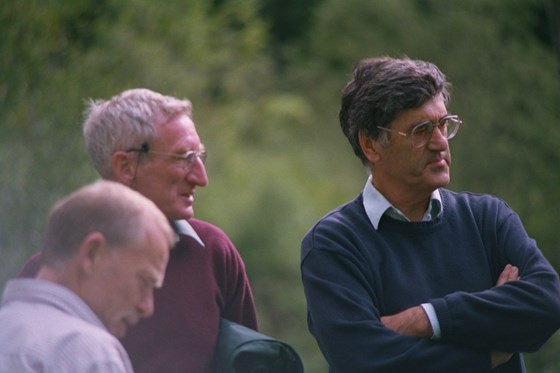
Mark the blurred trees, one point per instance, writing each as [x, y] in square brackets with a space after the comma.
[264, 77]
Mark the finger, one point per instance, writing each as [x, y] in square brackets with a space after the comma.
[505, 275]
[514, 274]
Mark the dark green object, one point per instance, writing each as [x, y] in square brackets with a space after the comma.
[243, 350]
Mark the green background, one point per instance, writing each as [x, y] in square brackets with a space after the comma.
[265, 79]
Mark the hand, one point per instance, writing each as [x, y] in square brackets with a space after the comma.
[510, 273]
[499, 358]
[412, 321]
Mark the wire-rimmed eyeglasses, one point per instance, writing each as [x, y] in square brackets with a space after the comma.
[185, 160]
[421, 133]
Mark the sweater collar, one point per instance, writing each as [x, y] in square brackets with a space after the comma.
[376, 205]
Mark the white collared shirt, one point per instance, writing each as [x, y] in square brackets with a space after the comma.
[376, 205]
[48, 327]
[183, 227]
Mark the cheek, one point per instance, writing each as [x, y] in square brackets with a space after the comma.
[107, 303]
[119, 284]
[126, 288]
[162, 173]
[121, 302]
[167, 182]
[159, 184]
[405, 159]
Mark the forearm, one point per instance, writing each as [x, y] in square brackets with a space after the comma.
[412, 322]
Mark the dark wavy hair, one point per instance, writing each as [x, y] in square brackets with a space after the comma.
[382, 87]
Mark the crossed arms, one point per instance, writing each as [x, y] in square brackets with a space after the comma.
[415, 323]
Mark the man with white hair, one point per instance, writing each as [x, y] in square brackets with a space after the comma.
[148, 141]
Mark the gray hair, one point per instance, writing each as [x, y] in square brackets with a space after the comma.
[126, 121]
[381, 88]
[110, 208]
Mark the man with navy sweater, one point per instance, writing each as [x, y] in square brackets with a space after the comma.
[410, 276]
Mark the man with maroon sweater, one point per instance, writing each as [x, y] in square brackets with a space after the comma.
[149, 142]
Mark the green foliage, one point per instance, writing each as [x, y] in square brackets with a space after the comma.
[265, 89]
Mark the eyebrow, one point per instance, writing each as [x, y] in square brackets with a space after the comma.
[201, 148]
[151, 278]
[430, 121]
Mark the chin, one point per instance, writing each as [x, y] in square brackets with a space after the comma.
[186, 214]
[180, 213]
[441, 178]
[442, 183]
[119, 333]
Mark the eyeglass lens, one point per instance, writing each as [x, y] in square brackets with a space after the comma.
[422, 133]
[191, 158]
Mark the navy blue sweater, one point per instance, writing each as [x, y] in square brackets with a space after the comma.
[353, 275]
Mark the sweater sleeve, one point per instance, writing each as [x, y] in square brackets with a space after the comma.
[344, 318]
[516, 316]
[239, 303]
[236, 297]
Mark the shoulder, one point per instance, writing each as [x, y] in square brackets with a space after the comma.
[472, 200]
[88, 346]
[481, 207]
[209, 233]
[342, 217]
[205, 228]
[214, 238]
[343, 224]
[66, 343]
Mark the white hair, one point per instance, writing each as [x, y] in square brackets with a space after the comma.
[126, 121]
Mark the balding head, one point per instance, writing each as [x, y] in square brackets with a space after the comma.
[109, 245]
[117, 212]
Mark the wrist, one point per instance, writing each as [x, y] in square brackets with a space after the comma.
[433, 319]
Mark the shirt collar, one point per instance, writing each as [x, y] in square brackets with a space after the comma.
[376, 205]
[32, 290]
[183, 227]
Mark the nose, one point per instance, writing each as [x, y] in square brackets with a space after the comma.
[146, 305]
[437, 139]
[197, 174]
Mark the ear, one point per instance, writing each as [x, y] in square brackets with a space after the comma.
[123, 165]
[370, 147]
[91, 251]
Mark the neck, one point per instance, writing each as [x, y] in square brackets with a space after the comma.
[415, 212]
[57, 276]
[412, 205]
[48, 274]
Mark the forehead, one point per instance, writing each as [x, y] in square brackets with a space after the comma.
[179, 133]
[431, 110]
